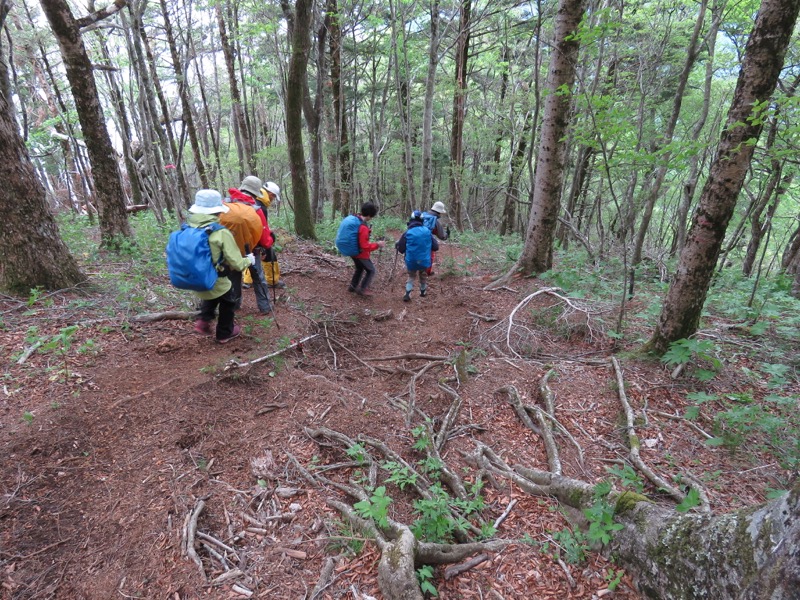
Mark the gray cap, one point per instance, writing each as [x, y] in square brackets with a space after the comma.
[252, 185]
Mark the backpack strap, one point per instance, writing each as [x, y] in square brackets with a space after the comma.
[209, 229]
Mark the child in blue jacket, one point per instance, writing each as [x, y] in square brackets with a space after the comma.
[417, 243]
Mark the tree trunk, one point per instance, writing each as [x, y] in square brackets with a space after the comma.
[763, 60]
[341, 190]
[33, 253]
[301, 41]
[114, 226]
[750, 554]
[240, 131]
[537, 255]
[426, 197]
[459, 112]
[312, 110]
[661, 171]
[403, 101]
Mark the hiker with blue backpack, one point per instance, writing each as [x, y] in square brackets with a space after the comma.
[199, 256]
[352, 239]
[432, 219]
[417, 244]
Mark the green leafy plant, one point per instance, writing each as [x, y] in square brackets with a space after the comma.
[425, 577]
[28, 417]
[601, 515]
[376, 507]
[691, 500]
[358, 453]
[613, 578]
[400, 475]
[628, 477]
[698, 352]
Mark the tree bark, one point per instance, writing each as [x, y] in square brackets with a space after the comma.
[114, 226]
[750, 554]
[33, 253]
[459, 113]
[763, 60]
[341, 189]
[241, 134]
[537, 254]
[298, 64]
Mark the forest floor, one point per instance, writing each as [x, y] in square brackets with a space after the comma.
[114, 434]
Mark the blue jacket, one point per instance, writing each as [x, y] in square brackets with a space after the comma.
[416, 244]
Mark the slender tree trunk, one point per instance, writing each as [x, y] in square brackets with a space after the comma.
[426, 197]
[114, 226]
[537, 254]
[312, 110]
[763, 60]
[661, 171]
[341, 191]
[298, 64]
[690, 184]
[246, 165]
[459, 113]
[403, 101]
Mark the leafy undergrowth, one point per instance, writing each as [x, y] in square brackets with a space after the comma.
[124, 435]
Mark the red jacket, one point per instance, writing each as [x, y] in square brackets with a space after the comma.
[363, 241]
[266, 235]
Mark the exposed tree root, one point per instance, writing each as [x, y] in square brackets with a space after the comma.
[633, 444]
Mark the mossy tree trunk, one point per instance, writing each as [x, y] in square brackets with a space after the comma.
[749, 554]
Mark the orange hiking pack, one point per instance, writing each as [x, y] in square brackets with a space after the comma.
[245, 225]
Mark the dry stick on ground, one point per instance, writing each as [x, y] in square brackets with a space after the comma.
[633, 442]
[189, 536]
[170, 315]
[549, 402]
[543, 430]
[235, 364]
[328, 341]
[412, 389]
[326, 578]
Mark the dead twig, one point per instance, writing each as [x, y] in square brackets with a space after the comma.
[235, 364]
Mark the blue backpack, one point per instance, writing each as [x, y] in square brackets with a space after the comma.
[189, 259]
[419, 242]
[347, 236]
[429, 221]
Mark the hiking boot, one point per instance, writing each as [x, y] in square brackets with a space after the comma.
[237, 330]
[368, 293]
[203, 327]
[407, 297]
[246, 286]
[280, 285]
[423, 293]
[351, 289]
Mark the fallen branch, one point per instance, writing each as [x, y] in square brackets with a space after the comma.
[170, 315]
[235, 364]
[190, 531]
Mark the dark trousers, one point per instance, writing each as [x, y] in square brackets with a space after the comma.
[364, 267]
[226, 304]
[259, 287]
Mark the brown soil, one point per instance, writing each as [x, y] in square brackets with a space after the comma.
[102, 466]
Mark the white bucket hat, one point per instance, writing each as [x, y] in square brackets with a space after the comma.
[208, 202]
[439, 207]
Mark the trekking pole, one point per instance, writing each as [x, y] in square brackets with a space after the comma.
[394, 264]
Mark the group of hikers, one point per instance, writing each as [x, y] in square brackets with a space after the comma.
[230, 241]
[418, 244]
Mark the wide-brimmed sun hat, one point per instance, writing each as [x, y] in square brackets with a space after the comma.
[439, 207]
[208, 202]
[252, 185]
